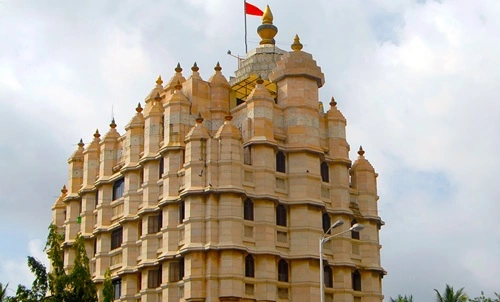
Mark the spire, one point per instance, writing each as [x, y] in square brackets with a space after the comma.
[178, 68]
[64, 191]
[267, 31]
[139, 108]
[97, 134]
[159, 81]
[361, 152]
[217, 67]
[80, 143]
[333, 103]
[199, 119]
[195, 67]
[113, 124]
[296, 46]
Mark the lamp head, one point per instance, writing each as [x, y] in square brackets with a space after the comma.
[337, 224]
[357, 227]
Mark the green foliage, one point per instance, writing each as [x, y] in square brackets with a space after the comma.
[3, 292]
[449, 295]
[77, 286]
[403, 299]
[107, 287]
[482, 298]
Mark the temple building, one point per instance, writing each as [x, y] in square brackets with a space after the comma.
[218, 190]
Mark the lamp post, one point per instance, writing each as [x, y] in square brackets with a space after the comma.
[356, 227]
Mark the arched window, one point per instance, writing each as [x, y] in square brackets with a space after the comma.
[161, 167]
[282, 271]
[249, 266]
[328, 276]
[182, 212]
[327, 223]
[325, 173]
[356, 280]
[280, 162]
[354, 234]
[248, 209]
[281, 215]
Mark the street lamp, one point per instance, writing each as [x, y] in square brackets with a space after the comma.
[356, 227]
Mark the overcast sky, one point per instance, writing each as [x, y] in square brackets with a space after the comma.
[416, 80]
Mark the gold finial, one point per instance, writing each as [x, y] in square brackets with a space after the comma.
[138, 109]
[113, 124]
[195, 67]
[361, 152]
[97, 134]
[333, 103]
[267, 17]
[217, 67]
[157, 97]
[64, 190]
[80, 143]
[267, 31]
[199, 119]
[159, 81]
[178, 86]
[260, 80]
[178, 68]
[296, 46]
[228, 117]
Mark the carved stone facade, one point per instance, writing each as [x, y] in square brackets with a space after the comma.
[219, 191]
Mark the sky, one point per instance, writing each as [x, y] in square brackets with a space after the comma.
[416, 80]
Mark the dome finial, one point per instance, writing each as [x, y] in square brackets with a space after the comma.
[64, 190]
[113, 124]
[199, 119]
[178, 68]
[333, 103]
[217, 67]
[267, 17]
[97, 134]
[296, 46]
[159, 81]
[138, 109]
[267, 31]
[361, 152]
[80, 143]
[195, 67]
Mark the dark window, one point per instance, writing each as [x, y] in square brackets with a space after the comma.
[96, 197]
[139, 282]
[247, 155]
[155, 223]
[162, 127]
[249, 266]
[354, 234]
[95, 246]
[155, 277]
[118, 188]
[182, 212]
[356, 280]
[328, 276]
[139, 228]
[116, 238]
[281, 215]
[161, 167]
[141, 177]
[325, 173]
[282, 271]
[117, 288]
[248, 210]
[327, 223]
[176, 270]
[280, 162]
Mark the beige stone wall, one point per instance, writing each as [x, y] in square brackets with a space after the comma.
[188, 222]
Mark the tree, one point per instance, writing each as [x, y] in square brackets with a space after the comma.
[482, 298]
[39, 287]
[80, 286]
[449, 295]
[403, 299]
[107, 287]
[55, 253]
[3, 292]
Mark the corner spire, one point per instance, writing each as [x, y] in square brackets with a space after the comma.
[113, 124]
[267, 31]
[178, 68]
[361, 152]
[159, 81]
[195, 67]
[296, 46]
[97, 134]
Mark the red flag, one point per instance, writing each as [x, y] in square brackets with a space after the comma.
[251, 9]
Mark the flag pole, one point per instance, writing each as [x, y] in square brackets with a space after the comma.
[245, 14]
